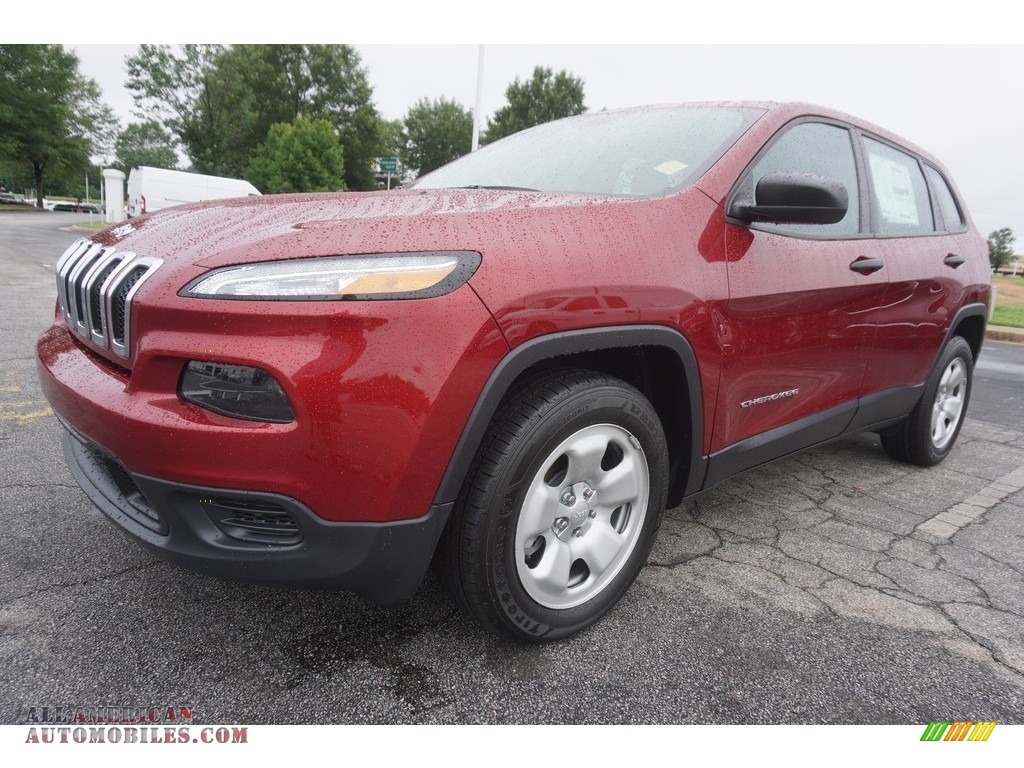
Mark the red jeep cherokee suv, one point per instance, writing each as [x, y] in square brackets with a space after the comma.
[512, 366]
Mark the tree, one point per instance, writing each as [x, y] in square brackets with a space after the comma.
[222, 101]
[204, 107]
[51, 116]
[1000, 247]
[145, 143]
[544, 97]
[436, 132]
[301, 156]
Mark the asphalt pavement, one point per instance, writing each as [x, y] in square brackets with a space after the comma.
[832, 587]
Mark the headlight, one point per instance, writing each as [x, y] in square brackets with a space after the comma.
[388, 276]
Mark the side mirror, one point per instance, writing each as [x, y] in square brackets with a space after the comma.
[794, 198]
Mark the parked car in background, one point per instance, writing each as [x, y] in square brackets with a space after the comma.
[512, 367]
[12, 198]
[75, 207]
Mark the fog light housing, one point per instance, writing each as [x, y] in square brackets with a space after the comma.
[240, 391]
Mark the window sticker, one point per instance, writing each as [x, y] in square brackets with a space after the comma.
[894, 191]
[670, 166]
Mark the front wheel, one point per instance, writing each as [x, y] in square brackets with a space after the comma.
[561, 507]
[928, 434]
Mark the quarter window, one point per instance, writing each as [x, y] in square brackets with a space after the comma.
[822, 150]
[900, 193]
[948, 209]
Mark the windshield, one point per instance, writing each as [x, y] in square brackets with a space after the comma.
[638, 153]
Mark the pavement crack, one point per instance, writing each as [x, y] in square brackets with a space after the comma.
[83, 582]
[979, 640]
[39, 485]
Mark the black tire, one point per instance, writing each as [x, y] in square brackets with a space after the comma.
[929, 433]
[491, 553]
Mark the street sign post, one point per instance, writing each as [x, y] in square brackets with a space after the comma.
[388, 165]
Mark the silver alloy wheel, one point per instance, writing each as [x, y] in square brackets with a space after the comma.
[949, 403]
[582, 516]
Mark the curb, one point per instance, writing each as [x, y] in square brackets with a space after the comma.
[1003, 333]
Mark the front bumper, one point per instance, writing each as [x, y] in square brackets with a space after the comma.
[256, 537]
[378, 412]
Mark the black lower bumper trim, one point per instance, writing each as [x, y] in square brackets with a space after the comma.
[382, 562]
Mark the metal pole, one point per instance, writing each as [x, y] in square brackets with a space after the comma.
[479, 98]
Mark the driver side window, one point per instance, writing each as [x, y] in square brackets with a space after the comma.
[822, 150]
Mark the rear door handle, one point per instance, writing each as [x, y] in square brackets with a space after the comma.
[953, 260]
[866, 265]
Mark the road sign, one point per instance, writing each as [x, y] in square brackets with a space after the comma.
[388, 164]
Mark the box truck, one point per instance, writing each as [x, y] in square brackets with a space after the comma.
[150, 189]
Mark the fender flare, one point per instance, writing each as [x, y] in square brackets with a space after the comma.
[968, 310]
[554, 345]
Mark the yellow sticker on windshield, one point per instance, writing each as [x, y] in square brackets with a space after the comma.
[670, 166]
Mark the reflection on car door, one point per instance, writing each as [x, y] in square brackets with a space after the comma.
[802, 313]
[925, 266]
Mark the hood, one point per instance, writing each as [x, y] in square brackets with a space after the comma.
[272, 227]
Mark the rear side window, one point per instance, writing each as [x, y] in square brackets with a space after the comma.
[822, 150]
[899, 191]
[952, 219]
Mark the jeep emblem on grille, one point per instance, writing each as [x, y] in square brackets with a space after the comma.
[123, 231]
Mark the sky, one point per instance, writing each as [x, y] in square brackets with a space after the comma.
[949, 80]
[961, 103]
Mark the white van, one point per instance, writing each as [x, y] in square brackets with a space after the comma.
[150, 189]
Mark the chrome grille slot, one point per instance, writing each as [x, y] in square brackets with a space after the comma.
[72, 270]
[94, 293]
[63, 268]
[79, 279]
[95, 287]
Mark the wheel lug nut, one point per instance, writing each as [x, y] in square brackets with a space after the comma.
[559, 526]
[568, 498]
[578, 532]
[588, 494]
[592, 514]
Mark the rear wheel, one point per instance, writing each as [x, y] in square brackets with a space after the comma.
[928, 434]
[560, 508]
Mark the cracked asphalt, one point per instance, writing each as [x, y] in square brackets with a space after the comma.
[833, 587]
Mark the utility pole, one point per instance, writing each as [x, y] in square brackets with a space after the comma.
[479, 98]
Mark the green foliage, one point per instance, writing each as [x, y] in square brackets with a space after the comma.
[221, 102]
[51, 116]
[145, 143]
[392, 138]
[544, 97]
[301, 156]
[436, 132]
[1009, 315]
[200, 105]
[1000, 247]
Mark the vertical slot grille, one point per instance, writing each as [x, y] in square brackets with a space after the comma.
[95, 287]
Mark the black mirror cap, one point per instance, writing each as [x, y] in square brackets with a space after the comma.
[796, 198]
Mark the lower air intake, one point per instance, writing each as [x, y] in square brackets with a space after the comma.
[255, 522]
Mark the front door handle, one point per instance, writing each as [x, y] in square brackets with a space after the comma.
[866, 265]
[953, 260]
